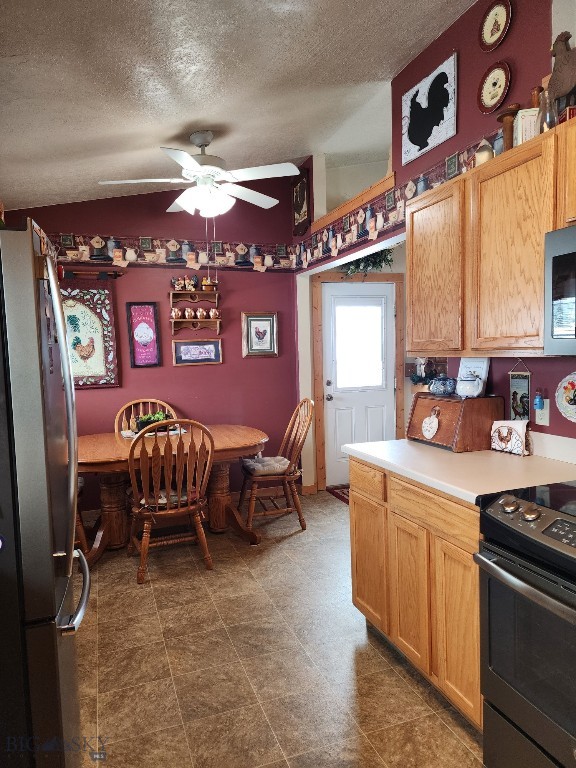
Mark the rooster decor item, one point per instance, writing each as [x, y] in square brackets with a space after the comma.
[563, 80]
[429, 111]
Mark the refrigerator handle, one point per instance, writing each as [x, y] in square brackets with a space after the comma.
[74, 621]
[66, 364]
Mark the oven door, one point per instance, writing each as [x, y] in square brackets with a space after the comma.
[528, 649]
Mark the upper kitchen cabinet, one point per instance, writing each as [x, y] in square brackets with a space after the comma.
[435, 251]
[512, 206]
[566, 182]
[475, 253]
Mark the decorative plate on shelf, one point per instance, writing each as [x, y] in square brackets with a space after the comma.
[493, 87]
[495, 24]
[566, 397]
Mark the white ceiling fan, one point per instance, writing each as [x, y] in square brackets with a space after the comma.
[215, 189]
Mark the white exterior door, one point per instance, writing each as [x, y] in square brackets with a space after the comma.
[359, 342]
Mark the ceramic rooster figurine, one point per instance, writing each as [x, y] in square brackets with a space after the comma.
[563, 78]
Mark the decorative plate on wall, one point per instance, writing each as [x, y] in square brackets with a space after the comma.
[495, 24]
[493, 87]
[566, 397]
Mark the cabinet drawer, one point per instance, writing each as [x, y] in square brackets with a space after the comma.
[367, 480]
[444, 518]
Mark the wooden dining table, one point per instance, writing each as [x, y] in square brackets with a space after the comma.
[106, 454]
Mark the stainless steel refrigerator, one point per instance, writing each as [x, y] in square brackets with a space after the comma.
[39, 708]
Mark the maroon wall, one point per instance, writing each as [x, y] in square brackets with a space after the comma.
[145, 215]
[526, 48]
[547, 373]
[259, 392]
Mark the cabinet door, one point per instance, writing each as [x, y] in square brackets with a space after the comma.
[434, 269]
[512, 206]
[457, 632]
[566, 191]
[368, 545]
[409, 590]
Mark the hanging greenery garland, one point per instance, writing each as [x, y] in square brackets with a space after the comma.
[371, 263]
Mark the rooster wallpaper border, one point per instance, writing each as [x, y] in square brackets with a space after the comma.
[259, 340]
[89, 317]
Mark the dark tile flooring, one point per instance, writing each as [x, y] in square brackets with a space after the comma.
[263, 661]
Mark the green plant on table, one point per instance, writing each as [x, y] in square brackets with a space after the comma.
[150, 418]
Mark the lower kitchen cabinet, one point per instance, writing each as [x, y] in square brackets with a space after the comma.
[455, 606]
[368, 546]
[408, 578]
[414, 578]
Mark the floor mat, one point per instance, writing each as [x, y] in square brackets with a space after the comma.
[341, 492]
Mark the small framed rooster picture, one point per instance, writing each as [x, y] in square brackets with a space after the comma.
[259, 334]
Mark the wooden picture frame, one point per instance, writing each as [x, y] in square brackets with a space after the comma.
[301, 216]
[259, 334]
[197, 352]
[91, 338]
[143, 334]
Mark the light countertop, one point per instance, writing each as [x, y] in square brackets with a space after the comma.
[462, 475]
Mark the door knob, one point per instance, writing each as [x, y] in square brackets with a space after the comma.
[328, 383]
[329, 397]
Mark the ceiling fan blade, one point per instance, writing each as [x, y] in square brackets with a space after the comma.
[182, 158]
[140, 181]
[249, 195]
[176, 206]
[265, 172]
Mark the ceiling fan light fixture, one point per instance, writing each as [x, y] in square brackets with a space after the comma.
[208, 200]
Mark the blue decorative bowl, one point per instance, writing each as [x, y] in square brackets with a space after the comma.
[442, 385]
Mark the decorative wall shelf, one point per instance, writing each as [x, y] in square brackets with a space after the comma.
[194, 297]
[195, 325]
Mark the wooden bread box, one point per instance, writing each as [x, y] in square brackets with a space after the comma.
[462, 425]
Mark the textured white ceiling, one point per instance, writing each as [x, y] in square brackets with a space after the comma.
[90, 90]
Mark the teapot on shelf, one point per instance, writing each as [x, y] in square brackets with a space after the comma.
[469, 386]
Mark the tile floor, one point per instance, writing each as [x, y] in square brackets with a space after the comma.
[262, 662]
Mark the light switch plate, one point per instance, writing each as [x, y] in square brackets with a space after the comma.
[542, 417]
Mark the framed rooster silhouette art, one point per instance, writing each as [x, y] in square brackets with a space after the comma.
[429, 111]
[259, 334]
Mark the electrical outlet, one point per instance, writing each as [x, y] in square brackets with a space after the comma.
[542, 417]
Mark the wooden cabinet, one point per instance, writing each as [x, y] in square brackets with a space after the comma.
[565, 186]
[368, 539]
[408, 577]
[497, 245]
[414, 578]
[456, 609]
[512, 201]
[434, 270]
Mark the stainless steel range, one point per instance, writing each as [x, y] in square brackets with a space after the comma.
[528, 626]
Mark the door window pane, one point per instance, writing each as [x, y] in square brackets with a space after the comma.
[358, 345]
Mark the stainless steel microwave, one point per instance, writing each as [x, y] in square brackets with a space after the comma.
[560, 292]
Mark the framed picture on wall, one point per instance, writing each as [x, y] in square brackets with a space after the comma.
[143, 334]
[259, 334]
[89, 316]
[301, 203]
[429, 111]
[197, 352]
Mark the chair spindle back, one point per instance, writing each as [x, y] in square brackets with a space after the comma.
[296, 432]
[126, 417]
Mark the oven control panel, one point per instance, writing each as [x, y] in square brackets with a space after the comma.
[552, 529]
[562, 530]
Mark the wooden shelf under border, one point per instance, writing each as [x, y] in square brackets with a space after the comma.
[194, 297]
[195, 325]
[90, 269]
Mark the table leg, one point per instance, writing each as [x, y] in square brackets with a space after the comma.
[220, 510]
[218, 496]
[112, 531]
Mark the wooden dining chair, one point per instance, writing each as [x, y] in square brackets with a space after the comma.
[126, 417]
[262, 472]
[169, 474]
